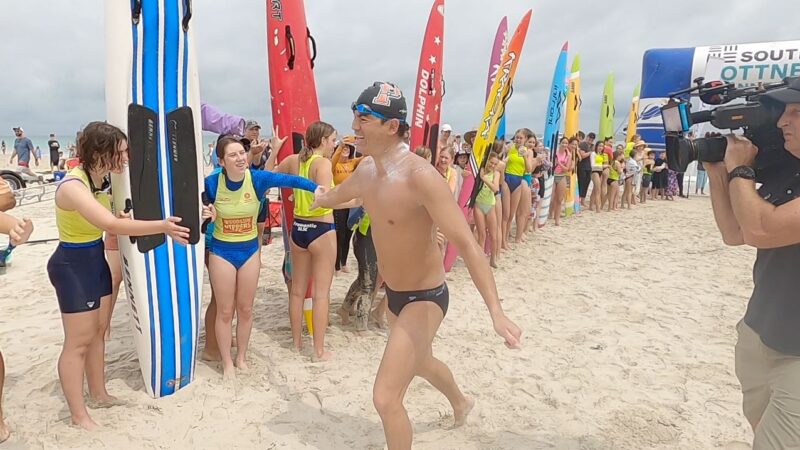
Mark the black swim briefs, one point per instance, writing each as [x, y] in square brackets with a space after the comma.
[398, 300]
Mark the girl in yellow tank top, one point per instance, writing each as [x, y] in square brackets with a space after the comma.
[599, 164]
[234, 259]
[78, 269]
[444, 165]
[518, 163]
[313, 245]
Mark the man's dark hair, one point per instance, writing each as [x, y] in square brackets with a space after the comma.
[402, 128]
[591, 136]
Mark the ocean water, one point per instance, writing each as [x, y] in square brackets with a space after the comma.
[66, 141]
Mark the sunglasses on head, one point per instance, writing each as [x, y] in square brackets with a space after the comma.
[365, 109]
[242, 140]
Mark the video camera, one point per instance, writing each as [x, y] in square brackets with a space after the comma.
[757, 117]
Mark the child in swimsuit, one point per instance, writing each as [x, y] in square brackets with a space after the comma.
[313, 240]
[599, 163]
[485, 215]
[78, 269]
[563, 167]
[234, 262]
[502, 197]
[518, 162]
[631, 170]
[647, 174]
[614, 178]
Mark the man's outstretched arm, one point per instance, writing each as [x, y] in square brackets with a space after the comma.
[438, 201]
[348, 190]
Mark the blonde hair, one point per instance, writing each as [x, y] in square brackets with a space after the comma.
[315, 133]
[424, 152]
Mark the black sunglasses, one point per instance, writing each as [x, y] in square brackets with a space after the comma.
[105, 187]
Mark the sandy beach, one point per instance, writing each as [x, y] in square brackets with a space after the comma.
[628, 344]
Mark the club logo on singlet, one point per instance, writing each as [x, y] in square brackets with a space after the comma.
[237, 225]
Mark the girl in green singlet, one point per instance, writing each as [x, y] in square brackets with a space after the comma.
[313, 237]
[532, 162]
[599, 162]
[484, 212]
[614, 177]
[517, 165]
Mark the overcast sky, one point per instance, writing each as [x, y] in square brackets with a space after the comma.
[52, 51]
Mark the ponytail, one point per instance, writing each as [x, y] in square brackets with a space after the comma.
[315, 133]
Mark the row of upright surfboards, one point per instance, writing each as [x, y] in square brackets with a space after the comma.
[152, 93]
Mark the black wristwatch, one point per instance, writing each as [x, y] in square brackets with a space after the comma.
[746, 172]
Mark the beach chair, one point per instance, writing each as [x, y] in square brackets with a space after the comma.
[273, 221]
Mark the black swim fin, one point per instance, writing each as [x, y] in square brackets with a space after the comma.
[143, 165]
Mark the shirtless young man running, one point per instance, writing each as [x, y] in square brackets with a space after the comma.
[406, 200]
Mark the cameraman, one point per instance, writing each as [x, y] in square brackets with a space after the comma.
[768, 346]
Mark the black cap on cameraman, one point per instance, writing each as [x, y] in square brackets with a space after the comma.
[789, 94]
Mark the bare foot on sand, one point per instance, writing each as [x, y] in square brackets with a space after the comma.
[493, 264]
[228, 372]
[326, 356]
[460, 414]
[378, 318]
[5, 433]
[86, 423]
[241, 364]
[344, 314]
[211, 356]
[104, 401]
